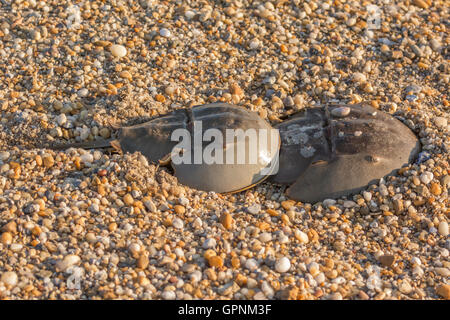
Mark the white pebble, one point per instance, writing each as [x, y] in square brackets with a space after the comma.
[426, 177]
[254, 44]
[259, 296]
[84, 133]
[87, 158]
[405, 287]
[209, 243]
[254, 209]
[320, 278]
[251, 264]
[265, 237]
[15, 247]
[267, 289]
[61, 119]
[373, 282]
[440, 122]
[340, 112]
[67, 262]
[178, 223]
[416, 261]
[349, 204]
[359, 77]
[282, 265]
[197, 223]
[168, 295]
[301, 236]
[443, 272]
[83, 92]
[4, 155]
[9, 278]
[164, 33]
[329, 202]
[134, 248]
[367, 196]
[150, 205]
[118, 50]
[417, 271]
[189, 14]
[196, 276]
[351, 22]
[443, 228]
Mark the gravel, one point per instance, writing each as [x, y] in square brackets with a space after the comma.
[79, 224]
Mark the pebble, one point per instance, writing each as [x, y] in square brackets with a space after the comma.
[265, 237]
[443, 228]
[68, 261]
[209, 243]
[215, 261]
[426, 177]
[16, 247]
[301, 236]
[179, 209]
[349, 204]
[282, 265]
[226, 220]
[359, 78]
[87, 158]
[259, 296]
[444, 291]
[254, 44]
[267, 290]
[373, 282]
[178, 223]
[387, 260]
[169, 295]
[164, 32]
[4, 155]
[128, 199]
[329, 202]
[134, 248]
[421, 4]
[61, 119]
[142, 262]
[417, 271]
[9, 278]
[251, 264]
[443, 272]
[48, 161]
[83, 92]
[118, 50]
[150, 205]
[441, 122]
[445, 181]
[340, 112]
[405, 287]
[6, 238]
[189, 14]
[254, 209]
[104, 133]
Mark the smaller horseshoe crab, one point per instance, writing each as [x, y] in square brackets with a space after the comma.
[245, 158]
[340, 149]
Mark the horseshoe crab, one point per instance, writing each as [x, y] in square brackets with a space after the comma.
[210, 166]
[340, 149]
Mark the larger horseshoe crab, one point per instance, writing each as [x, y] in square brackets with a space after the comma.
[219, 169]
[338, 150]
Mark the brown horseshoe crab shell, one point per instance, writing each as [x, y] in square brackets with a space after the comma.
[340, 149]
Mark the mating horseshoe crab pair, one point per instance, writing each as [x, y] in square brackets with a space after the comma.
[320, 153]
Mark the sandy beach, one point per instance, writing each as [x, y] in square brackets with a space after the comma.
[97, 224]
